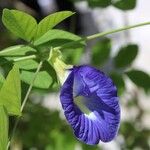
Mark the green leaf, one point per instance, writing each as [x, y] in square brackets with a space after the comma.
[3, 128]
[56, 34]
[140, 78]
[73, 56]
[10, 93]
[43, 80]
[27, 64]
[65, 44]
[2, 79]
[51, 21]
[126, 55]
[99, 3]
[17, 50]
[20, 23]
[101, 52]
[119, 82]
[125, 4]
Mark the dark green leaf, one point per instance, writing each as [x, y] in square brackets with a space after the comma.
[2, 79]
[50, 21]
[99, 3]
[10, 93]
[140, 78]
[43, 80]
[19, 23]
[73, 56]
[101, 52]
[126, 56]
[64, 44]
[125, 4]
[56, 34]
[3, 128]
[90, 147]
[119, 82]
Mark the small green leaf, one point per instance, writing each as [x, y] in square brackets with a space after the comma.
[2, 79]
[101, 52]
[125, 4]
[10, 93]
[20, 23]
[51, 21]
[43, 79]
[3, 128]
[56, 34]
[119, 82]
[99, 3]
[126, 56]
[17, 50]
[140, 78]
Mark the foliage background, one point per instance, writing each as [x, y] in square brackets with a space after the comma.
[43, 125]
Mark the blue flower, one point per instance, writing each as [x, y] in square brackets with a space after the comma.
[90, 103]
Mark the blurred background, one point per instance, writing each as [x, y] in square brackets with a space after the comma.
[124, 56]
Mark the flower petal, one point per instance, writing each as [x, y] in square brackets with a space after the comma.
[99, 96]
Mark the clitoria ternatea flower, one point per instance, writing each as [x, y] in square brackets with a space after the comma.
[90, 102]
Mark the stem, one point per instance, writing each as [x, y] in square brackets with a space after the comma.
[97, 35]
[24, 102]
[116, 30]
[31, 85]
[91, 37]
[24, 58]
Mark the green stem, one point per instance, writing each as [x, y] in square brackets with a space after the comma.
[20, 59]
[24, 102]
[116, 30]
[31, 85]
[91, 37]
[25, 58]
[97, 35]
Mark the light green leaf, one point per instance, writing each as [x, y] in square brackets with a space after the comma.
[43, 79]
[10, 93]
[19, 23]
[2, 79]
[3, 128]
[126, 56]
[140, 78]
[50, 21]
[27, 64]
[17, 50]
[56, 34]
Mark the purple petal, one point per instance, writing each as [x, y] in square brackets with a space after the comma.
[99, 96]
